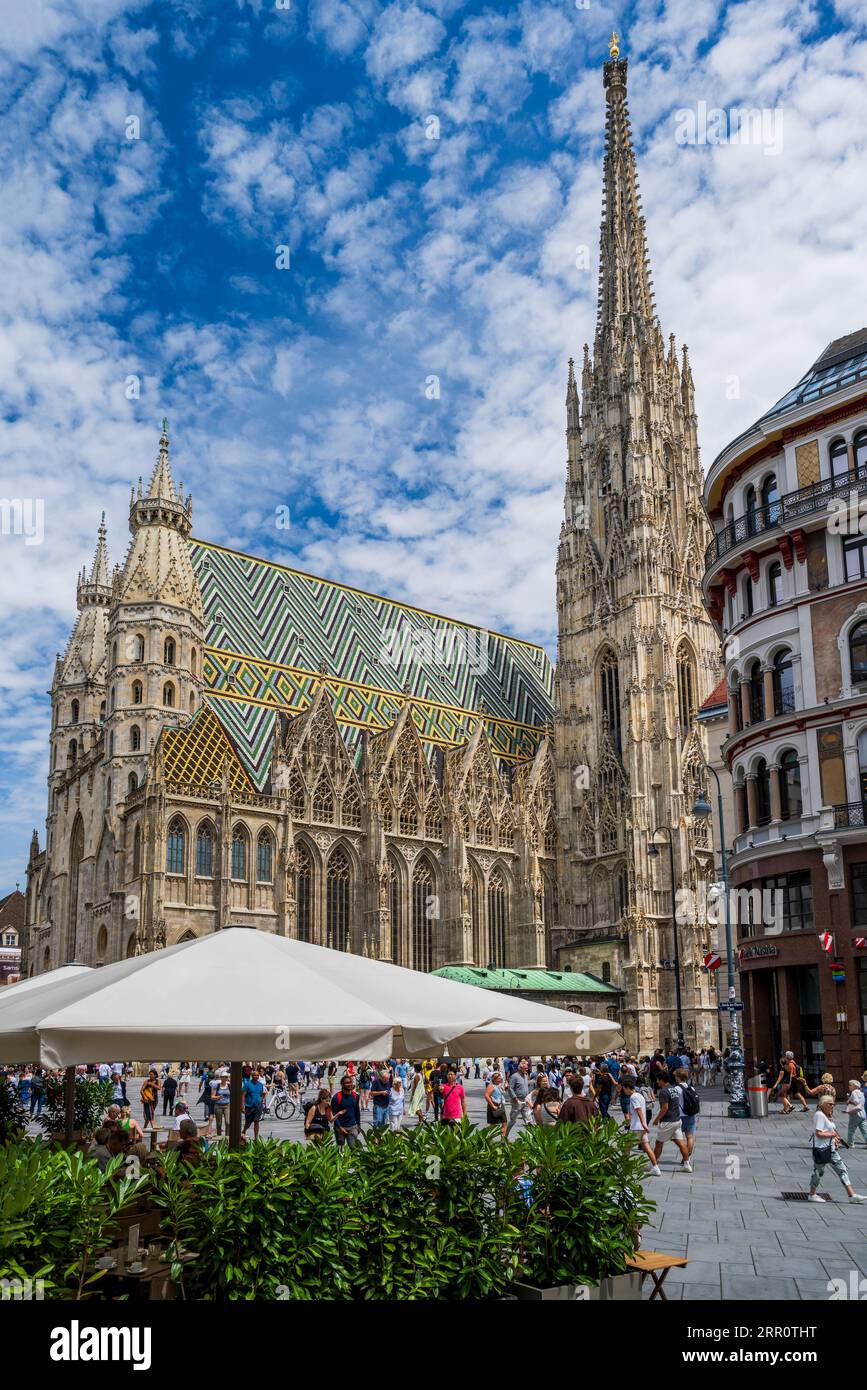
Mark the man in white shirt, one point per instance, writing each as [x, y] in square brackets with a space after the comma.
[638, 1120]
[104, 1071]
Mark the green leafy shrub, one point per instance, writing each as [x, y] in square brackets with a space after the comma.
[13, 1116]
[585, 1202]
[437, 1212]
[92, 1099]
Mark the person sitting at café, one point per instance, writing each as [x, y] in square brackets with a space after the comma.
[190, 1147]
[109, 1143]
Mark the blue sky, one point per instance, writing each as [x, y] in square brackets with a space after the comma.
[411, 258]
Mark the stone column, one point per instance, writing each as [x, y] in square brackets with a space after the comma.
[740, 807]
[745, 703]
[768, 679]
[733, 700]
[752, 801]
[776, 796]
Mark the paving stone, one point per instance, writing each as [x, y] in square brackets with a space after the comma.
[740, 1289]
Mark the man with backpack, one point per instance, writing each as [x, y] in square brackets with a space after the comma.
[347, 1114]
[689, 1108]
[668, 1121]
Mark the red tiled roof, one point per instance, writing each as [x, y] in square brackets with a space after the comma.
[718, 696]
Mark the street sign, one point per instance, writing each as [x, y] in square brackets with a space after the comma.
[713, 960]
[733, 1004]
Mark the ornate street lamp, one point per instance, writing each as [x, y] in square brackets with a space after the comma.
[653, 853]
[738, 1106]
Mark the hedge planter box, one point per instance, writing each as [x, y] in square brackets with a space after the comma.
[619, 1288]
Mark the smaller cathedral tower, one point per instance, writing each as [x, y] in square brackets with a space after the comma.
[156, 629]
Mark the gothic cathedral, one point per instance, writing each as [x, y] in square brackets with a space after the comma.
[235, 741]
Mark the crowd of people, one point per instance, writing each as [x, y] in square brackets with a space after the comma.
[658, 1097]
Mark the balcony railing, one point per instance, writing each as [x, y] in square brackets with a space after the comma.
[812, 498]
[849, 816]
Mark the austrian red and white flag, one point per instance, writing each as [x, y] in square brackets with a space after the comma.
[712, 960]
[826, 941]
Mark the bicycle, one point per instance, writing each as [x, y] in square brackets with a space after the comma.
[286, 1107]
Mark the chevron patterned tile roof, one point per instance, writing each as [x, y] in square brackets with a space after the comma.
[196, 753]
[274, 635]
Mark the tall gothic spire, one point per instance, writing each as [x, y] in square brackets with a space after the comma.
[162, 484]
[625, 289]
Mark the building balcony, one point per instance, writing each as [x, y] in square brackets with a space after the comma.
[791, 507]
[849, 816]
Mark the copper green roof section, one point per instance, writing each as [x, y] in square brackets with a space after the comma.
[532, 981]
[275, 635]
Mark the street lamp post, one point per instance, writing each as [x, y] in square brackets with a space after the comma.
[738, 1106]
[653, 853]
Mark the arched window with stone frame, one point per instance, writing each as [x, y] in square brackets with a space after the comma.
[205, 850]
[423, 915]
[393, 887]
[338, 897]
[176, 846]
[238, 854]
[498, 918]
[304, 892]
[433, 820]
[136, 852]
[791, 796]
[484, 826]
[265, 857]
[408, 819]
[609, 695]
[323, 800]
[351, 806]
[686, 686]
[386, 811]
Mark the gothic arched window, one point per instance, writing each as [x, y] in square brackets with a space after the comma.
[169, 695]
[351, 806]
[138, 647]
[408, 819]
[394, 910]
[685, 687]
[484, 828]
[73, 752]
[498, 918]
[337, 886]
[433, 823]
[75, 709]
[323, 800]
[135, 738]
[423, 912]
[169, 652]
[303, 893]
[609, 691]
[239, 853]
[131, 783]
[136, 852]
[264, 857]
[176, 847]
[136, 692]
[205, 850]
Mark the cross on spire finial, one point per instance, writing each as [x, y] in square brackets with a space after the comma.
[614, 46]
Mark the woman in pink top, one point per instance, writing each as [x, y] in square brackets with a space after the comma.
[454, 1101]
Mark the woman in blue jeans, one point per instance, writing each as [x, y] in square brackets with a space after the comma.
[604, 1089]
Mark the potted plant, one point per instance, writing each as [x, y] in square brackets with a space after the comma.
[582, 1208]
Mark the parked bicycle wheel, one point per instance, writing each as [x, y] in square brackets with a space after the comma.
[284, 1108]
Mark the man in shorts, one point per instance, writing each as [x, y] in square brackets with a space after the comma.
[668, 1122]
[638, 1120]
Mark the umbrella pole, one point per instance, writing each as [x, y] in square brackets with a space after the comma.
[69, 1104]
[235, 1087]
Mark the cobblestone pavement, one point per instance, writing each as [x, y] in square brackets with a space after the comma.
[742, 1240]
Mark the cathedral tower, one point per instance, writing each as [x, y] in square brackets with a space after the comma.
[636, 652]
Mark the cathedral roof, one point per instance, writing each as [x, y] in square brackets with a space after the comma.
[275, 635]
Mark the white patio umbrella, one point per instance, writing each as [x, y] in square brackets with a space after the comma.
[246, 994]
[22, 1004]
